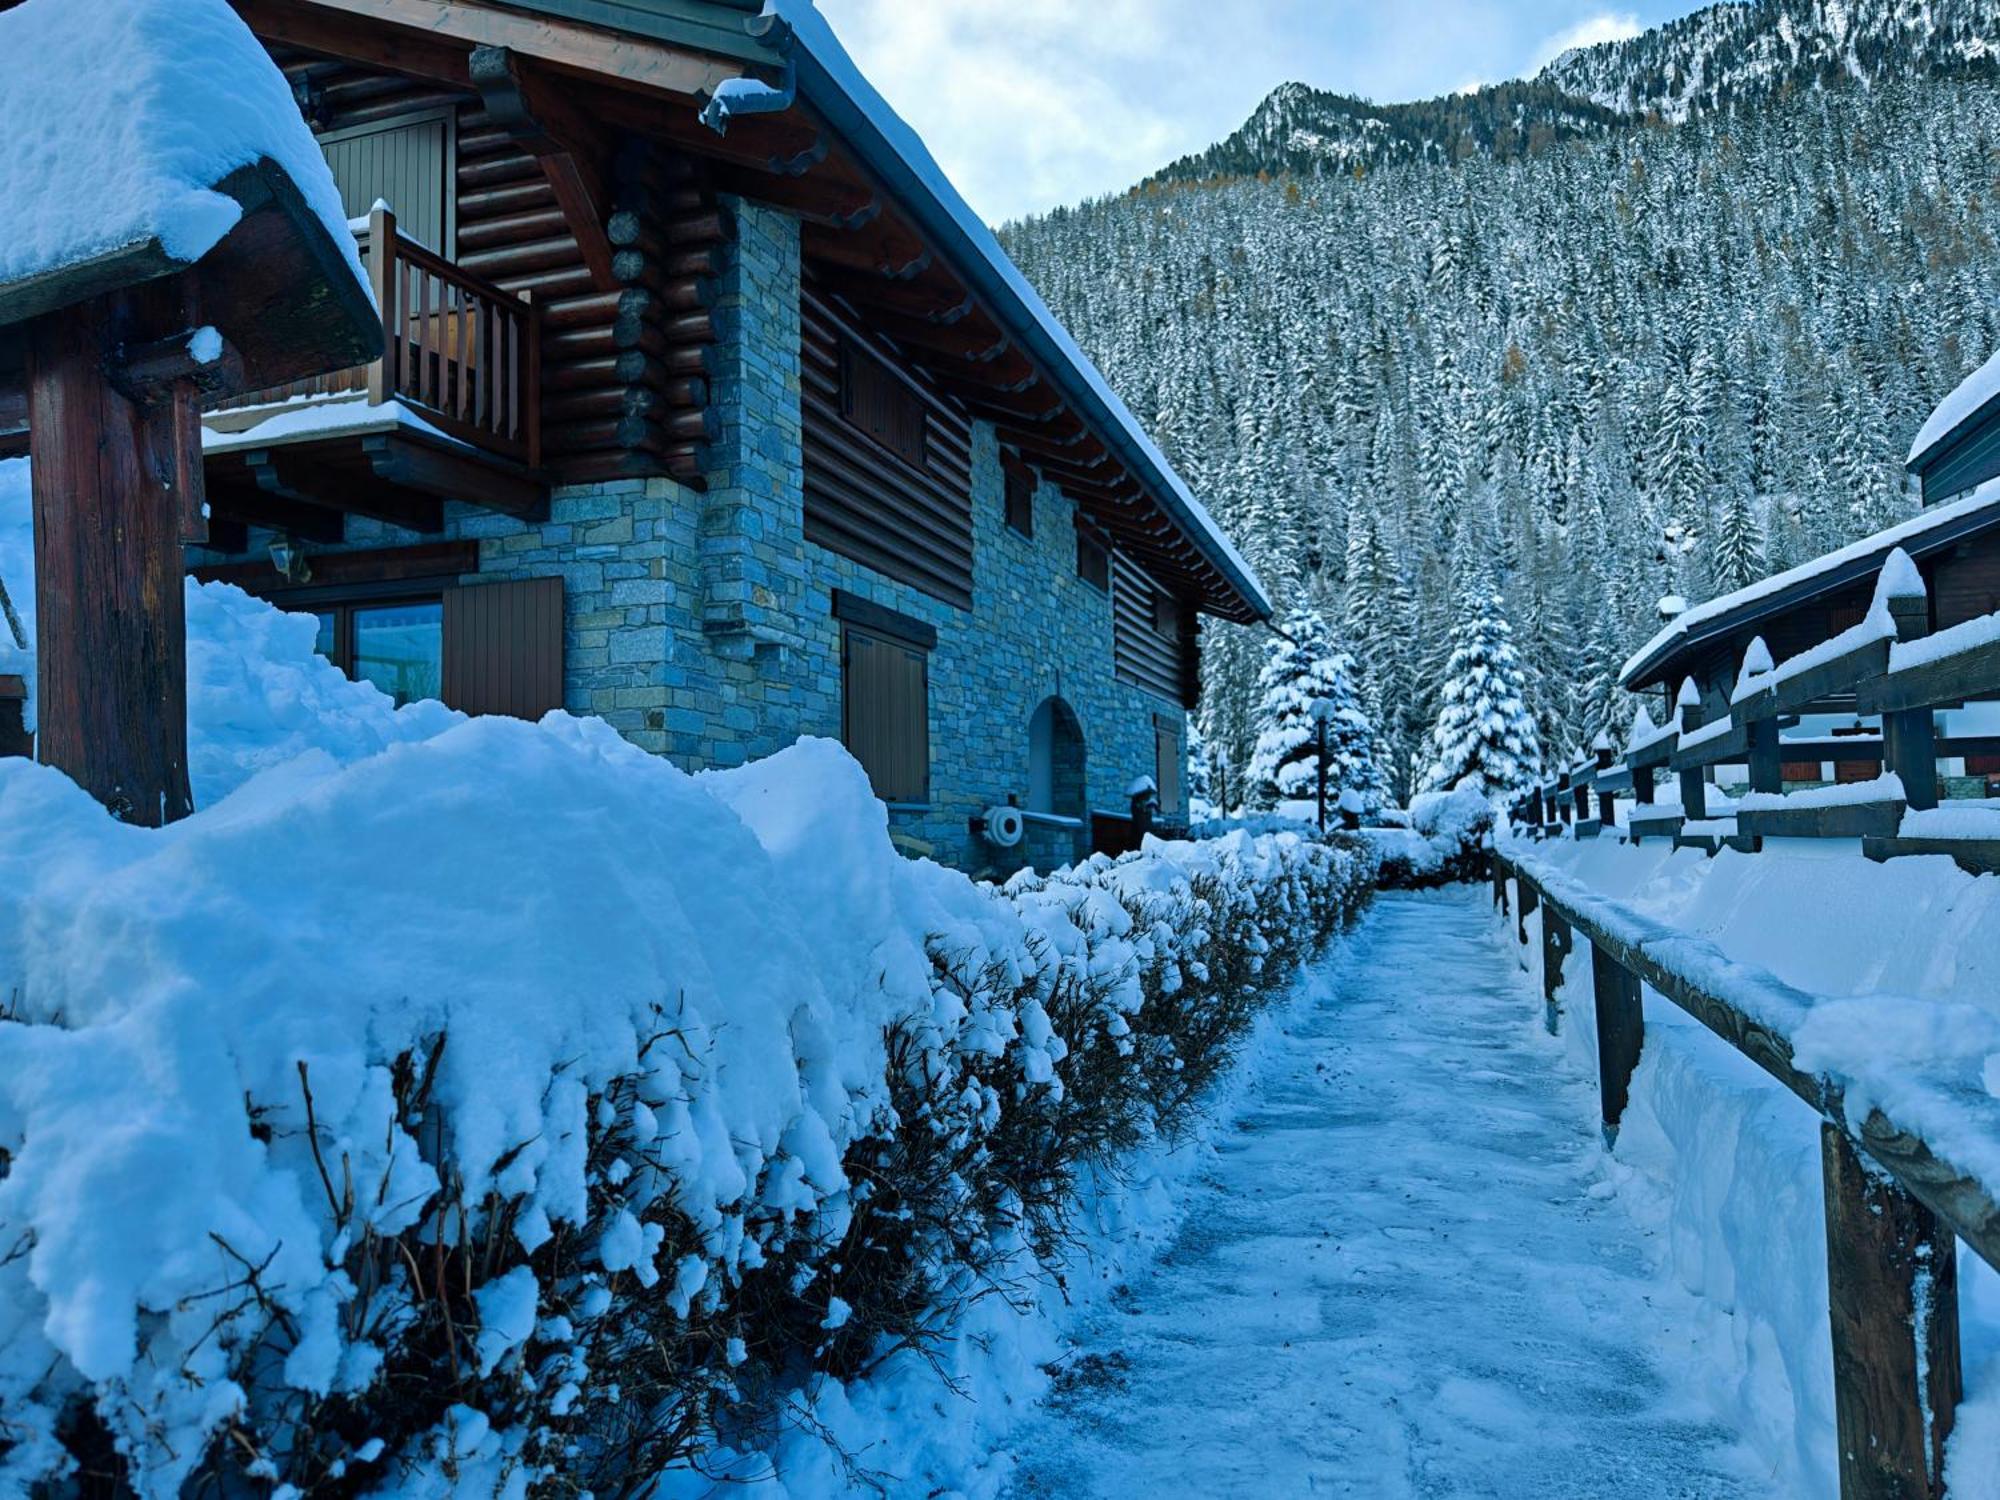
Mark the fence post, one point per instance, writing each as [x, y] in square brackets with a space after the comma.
[1557, 940]
[1499, 884]
[1909, 736]
[1621, 1034]
[1694, 783]
[1892, 1293]
[1527, 898]
[1766, 765]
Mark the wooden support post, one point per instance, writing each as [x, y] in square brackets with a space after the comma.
[1642, 785]
[1909, 737]
[1621, 1034]
[1892, 1291]
[1766, 764]
[1499, 884]
[1607, 807]
[1557, 941]
[1694, 780]
[112, 633]
[1527, 898]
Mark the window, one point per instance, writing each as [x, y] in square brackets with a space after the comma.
[398, 646]
[1093, 562]
[885, 697]
[1800, 770]
[1170, 758]
[874, 399]
[1166, 614]
[1020, 480]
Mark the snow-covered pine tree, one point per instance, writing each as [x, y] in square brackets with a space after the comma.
[1484, 730]
[1307, 682]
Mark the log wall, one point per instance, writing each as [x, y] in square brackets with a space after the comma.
[624, 370]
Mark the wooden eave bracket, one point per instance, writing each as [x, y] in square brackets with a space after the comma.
[568, 147]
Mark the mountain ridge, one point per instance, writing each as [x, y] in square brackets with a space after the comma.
[1735, 54]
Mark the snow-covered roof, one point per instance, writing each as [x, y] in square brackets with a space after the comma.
[122, 116]
[1973, 394]
[1921, 535]
[835, 87]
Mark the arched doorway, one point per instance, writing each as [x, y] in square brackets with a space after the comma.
[1056, 764]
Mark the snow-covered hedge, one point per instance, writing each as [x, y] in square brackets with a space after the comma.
[483, 1107]
[1446, 841]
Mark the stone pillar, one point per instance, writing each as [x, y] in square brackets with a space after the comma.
[752, 540]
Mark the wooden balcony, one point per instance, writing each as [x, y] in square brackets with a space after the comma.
[452, 411]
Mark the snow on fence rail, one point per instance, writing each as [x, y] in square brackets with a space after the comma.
[1888, 665]
[1908, 1163]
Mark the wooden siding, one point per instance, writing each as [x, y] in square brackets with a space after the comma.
[625, 369]
[1143, 654]
[1966, 584]
[503, 647]
[908, 522]
[406, 164]
[1171, 760]
[885, 712]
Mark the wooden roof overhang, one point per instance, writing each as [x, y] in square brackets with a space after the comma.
[1706, 644]
[653, 65]
[277, 288]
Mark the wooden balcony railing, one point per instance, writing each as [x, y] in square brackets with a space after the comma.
[465, 351]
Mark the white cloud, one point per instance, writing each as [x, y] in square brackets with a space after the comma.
[1591, 32]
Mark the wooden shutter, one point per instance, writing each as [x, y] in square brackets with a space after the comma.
[1800, 770]
[503, 647]
[886, 713]
[1170, 756]
[407, 164]
[876, 400]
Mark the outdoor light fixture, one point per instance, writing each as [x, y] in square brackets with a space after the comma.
[289, 558]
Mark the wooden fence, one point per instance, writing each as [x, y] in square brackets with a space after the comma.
[1890, 667]
[1893, 1206]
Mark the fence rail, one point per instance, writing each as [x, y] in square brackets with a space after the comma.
[1889, 667]
[1893, 1206]
[465, 350]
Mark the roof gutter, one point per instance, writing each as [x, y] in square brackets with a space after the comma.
[810, 79]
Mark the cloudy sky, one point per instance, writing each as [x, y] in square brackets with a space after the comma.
[1032, 103]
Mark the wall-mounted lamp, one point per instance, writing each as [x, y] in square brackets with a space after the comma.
[289, 558]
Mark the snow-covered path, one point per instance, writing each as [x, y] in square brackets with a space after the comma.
[1403, 1276]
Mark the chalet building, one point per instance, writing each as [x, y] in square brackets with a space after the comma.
[1955, 542]
[709, 408]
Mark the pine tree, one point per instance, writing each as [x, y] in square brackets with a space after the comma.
[1484, 732]
[1309, 717]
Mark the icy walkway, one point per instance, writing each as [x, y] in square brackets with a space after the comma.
[1402, 1277]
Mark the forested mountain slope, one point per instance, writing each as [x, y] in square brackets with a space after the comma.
[1647, 359]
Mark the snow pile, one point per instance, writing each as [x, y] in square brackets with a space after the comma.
[1446, 841]
[119, 131]
[417, 1112]
[258, 694]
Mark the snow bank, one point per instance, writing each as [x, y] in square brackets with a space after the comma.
[122, 115]
[445, 1086]
[1894, 972]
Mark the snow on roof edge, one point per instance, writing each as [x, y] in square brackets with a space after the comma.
[1971, 395]
[1986, 497]
[811, 40]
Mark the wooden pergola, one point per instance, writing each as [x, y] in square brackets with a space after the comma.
[109, 361]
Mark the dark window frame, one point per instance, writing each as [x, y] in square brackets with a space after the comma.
[1093, 560]
[342, 605]
[908, 441]
[1018, 486]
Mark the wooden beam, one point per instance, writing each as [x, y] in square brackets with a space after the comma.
[112, 637]
[388, 32]
[304, 477]
[476, 479]
[250, 506]
[885, 249]
[570, 149]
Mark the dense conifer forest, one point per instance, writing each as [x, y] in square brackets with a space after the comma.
[1654, 325]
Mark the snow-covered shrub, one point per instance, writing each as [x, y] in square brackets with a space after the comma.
[1445, 843]
[483, 1107]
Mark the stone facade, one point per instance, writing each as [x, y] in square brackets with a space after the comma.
[701, 626]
